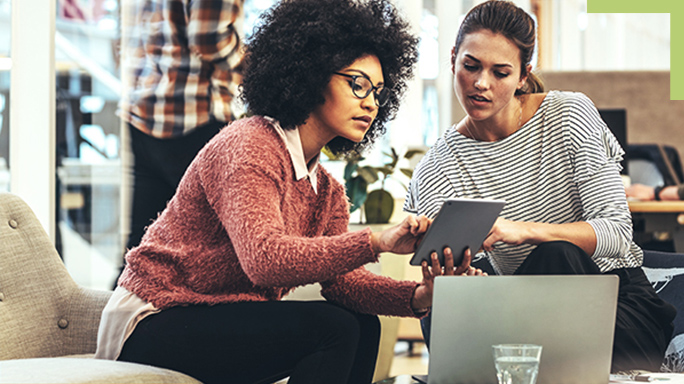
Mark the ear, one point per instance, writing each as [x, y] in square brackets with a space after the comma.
[453, 59]
[523, 79]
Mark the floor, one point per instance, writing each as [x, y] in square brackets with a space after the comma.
[404, 363]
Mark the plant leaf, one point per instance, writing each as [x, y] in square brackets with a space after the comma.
[413, 152]
[370, 174]
[349, 169]
[385, 170]
[395, 160]
[407, 171]
[357, 192]
[327, 152]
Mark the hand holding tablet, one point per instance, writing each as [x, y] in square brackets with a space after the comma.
[460, 224]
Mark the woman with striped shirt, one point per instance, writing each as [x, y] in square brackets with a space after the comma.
[555, 163]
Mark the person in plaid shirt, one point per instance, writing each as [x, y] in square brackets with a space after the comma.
[181, 66]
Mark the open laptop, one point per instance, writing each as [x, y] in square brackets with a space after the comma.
[571, 317]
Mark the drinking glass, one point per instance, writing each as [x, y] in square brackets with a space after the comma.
[517, 363]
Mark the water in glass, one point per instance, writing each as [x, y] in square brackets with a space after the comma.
[517, 369]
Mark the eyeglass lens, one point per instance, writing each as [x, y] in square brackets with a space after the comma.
[362, 87]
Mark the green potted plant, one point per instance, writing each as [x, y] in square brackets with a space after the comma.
[356, 177]
[378, 204]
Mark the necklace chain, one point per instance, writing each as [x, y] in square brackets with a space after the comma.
[519, 122]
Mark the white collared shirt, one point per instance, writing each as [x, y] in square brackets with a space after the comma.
[294, 145]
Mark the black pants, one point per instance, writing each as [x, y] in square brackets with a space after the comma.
[260, 342]
[643, 325]
[158, 166]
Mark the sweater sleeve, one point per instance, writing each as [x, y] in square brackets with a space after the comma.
[361, 290]
[245, 183]
[597, 175]
[366, 292]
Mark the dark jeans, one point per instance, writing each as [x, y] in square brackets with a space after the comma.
[260, 342]
[158, 166]
[643, 325]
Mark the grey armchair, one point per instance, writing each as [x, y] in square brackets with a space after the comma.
[48, 324]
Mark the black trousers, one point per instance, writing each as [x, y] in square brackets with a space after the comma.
[260, 342]
[158, 166]
[643, 325]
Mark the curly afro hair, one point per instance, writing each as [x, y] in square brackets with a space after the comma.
[297, 46]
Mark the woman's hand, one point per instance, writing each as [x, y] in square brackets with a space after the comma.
[640, 192]
[579, 233]
[422, 296]
[402, 238]
[506, 231]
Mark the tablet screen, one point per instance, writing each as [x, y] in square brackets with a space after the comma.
[460, 224]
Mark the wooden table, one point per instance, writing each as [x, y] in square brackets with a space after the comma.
[661, 216]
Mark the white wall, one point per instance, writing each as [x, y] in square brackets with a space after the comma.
[32, 107]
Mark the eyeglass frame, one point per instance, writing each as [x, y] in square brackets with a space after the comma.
[373, 88]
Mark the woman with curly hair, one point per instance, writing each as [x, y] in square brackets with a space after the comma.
[256, 216]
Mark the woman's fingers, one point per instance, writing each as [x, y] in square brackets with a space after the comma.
[413, 224]
[465, 264]
[436, 267]
[424, 223]
[427, 275]
[448, 261]
[474, 272]
[419, 224]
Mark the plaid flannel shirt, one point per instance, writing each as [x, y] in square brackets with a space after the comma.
[181, 63]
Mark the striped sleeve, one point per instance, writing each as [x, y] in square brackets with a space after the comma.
[596, 162]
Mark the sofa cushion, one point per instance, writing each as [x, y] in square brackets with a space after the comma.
[84, 370]
[43, 313]
[665, 271]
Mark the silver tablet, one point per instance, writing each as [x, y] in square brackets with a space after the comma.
[460, 224]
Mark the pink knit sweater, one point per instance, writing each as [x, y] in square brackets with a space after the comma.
[241, 228]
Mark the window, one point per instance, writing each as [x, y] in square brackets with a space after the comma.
[606, 41]
[88, 140]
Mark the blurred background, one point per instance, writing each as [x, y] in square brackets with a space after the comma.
[621, 61]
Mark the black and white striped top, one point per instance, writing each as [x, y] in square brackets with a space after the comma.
[562, 166]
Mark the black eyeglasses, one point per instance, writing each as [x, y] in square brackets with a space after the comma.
[362, 86]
